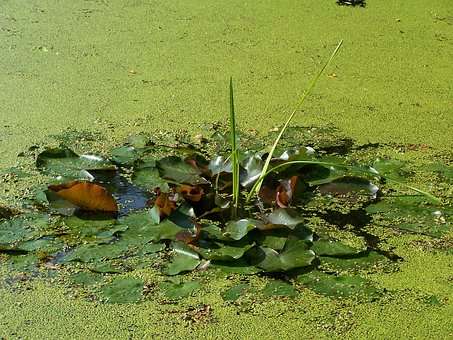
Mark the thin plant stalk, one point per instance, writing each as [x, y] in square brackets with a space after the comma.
[234, 153]
[310, 87]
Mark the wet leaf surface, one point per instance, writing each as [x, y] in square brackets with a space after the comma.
[66, 163]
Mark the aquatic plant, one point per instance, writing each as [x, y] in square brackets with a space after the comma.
[268, 210]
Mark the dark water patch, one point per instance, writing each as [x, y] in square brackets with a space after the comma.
[128, 196]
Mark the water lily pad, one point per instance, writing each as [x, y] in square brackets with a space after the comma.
[235, 292]
[252, 165]
[339, 286]
[125, 155]
[333, 248]
[365, 261]
[240, 266]
[149, 178]
[142, 228]
[279, 288]
[175, 169]
[287, 217]
[66, 163]
[219, 164]
[123, 290]
[23, 263]
[91, 252]
[295, 255]
[236, 230]
[86, 278]
[349, 184]
[184, 259]
[178, 290]
[393, 169]
[412, 214]
[221, 251]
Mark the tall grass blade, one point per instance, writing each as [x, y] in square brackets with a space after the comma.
[256, 188]
[234, 151]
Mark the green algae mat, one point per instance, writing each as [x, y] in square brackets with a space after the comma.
[353, 241]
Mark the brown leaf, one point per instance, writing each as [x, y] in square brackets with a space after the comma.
[165, 204]
[286, 191]
[191, 193]
[188, 236]
[86, 195]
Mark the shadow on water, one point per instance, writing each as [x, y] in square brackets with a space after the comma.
[359, 219]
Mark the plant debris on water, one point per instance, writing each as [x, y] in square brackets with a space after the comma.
[296, 213]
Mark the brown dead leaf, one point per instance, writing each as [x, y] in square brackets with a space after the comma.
[285, 192]
[191, 193]
[165, 204]
[86, 195]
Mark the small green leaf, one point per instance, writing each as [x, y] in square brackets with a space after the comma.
[175, 169]
[236, 230]
[66, 163]
[123, 290]
[333, 248]
[125, 155]
[235, 292]
[339, 286]
[184, 259]
[174, 290]
[149, 178]
[288, 217]
[279, 288]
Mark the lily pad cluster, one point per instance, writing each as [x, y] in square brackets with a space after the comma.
[132, 209]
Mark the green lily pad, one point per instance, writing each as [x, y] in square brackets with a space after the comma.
[333, 248]
[349, 184]
[279, 288]
[184, 259]
[125, 155]
[236, 230]
[23, 263]
[92, 252]
[235, 292]
[175, 169]
[367, 260]
[252, 164]
[149, 178]
[123, 290]
[412, 214]
[240, 266]
[219, 164]
[44, 244]
[106, 268]
[392, 169]
[178, 290]
[66, 163]
[287, 217]
[86, 278]
[341, 286]
[223, 252]
[142, 228]
[295, 255]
